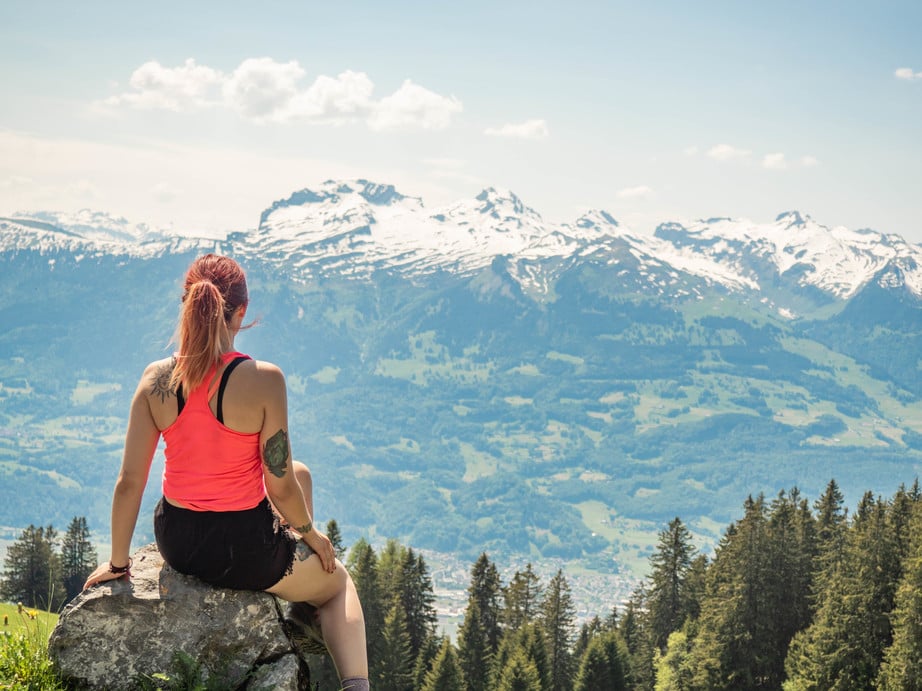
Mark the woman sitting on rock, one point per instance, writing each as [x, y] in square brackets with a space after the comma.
[224, 418]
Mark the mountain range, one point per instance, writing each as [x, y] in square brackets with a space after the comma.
[473, 377]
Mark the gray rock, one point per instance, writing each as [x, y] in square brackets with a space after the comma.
[115, 633]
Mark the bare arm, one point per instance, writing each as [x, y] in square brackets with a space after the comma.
[281, 485]
[140, 443]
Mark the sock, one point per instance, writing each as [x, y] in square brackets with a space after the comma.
[355, 684]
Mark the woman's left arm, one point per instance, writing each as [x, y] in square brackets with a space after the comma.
[140, 444]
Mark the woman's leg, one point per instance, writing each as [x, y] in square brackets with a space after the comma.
[341, 620]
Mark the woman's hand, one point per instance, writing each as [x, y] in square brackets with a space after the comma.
[323, 548]
[101, 574]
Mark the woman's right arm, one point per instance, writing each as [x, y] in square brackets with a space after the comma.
[140, 444]
[279, 477]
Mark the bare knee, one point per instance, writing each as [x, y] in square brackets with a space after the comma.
[306, 482]
[341, 576]
[333, 584]
[302, 474]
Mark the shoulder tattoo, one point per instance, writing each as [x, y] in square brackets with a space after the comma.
[161, 383]
[275, 453]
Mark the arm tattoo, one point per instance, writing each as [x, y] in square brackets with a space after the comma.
[306, 528]
[275, 453]
[161, 385]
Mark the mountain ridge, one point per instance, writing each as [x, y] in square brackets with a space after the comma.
[360, 227]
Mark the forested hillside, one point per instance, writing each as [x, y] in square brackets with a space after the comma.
[798, 595]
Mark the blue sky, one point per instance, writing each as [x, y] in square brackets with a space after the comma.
[199, 115]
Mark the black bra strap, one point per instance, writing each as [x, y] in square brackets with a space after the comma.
[219, 411]
[180, 400]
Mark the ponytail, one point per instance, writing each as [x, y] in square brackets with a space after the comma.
[215, 287]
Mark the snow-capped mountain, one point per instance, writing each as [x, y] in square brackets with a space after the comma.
[357, 228]
[90, 233]
[836, 260]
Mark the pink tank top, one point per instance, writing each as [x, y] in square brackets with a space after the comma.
[210, 467]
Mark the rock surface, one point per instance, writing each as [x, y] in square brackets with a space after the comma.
[119, 632]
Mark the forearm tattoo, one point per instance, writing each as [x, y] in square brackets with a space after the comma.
[275, 453]
[161, 385]
[306, 528]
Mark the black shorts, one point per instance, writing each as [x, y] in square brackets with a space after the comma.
[247, 549]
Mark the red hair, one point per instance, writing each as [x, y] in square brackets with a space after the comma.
[214, 289]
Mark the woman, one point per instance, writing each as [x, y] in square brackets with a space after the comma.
[224, 418]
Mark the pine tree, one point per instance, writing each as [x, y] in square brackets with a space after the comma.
[831, 527]
[425, 660]
[587, 632]
[673, 667]
[395, 671]
[901, 669]
[733, 649]
[486, 590]
[78, 557]
[473, 649]
[604, 665]
[390, 566]
[336, 537]
[32, 570]
[363, 567]
[415, 594]
[668, 601]
[557, 616]
[900, 519]
[445, 674]
[633, 629]
[758, 596]
[791, 547]
[518, 674]
[530, 641]
[696, 585]
[843, 646]
[523, 598]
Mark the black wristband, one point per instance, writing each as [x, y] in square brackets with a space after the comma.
[120, 569]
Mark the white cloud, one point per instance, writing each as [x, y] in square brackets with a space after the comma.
[530, 129]
[413, 106]
[907, 74]
[346, 96]
[809, 161]
[640, 191]
[690, 151]
[725, 152]
[171, 88]
[774, 161]
[264, 90]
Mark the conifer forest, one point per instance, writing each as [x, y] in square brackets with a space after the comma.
[797, 595]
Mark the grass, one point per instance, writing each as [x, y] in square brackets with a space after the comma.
[25, 665]
[24, 661]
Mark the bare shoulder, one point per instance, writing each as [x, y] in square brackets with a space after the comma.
[262, 376]
[269, 371]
